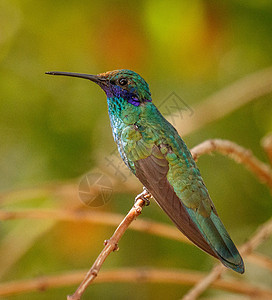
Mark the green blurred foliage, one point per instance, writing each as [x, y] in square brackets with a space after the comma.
[56, 129]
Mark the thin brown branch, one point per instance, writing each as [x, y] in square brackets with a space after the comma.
[203, 284]
[139, 275]
[111, 245]
[227, 100]
[260, 260]
[267, 145]
[112, 219]
[261, 234]
[237, 153]
[10, 253]
[95, 217]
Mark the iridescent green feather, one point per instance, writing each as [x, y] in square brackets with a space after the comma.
[149, 128]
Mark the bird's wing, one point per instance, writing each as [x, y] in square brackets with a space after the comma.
[207, 232]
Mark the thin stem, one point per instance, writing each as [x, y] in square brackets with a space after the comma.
[260, 260]
[237, 153]
[267, 145]
[261, 234]
[161, 276]
[110, 245]
[95, 217]
[225, 101]
[113, 219]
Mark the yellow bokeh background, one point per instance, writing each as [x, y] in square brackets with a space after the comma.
[53, 130]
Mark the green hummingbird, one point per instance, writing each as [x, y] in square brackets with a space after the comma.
[155, 153]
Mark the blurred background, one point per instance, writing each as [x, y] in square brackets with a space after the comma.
[55, 130]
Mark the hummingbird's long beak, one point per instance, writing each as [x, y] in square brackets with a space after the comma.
[95, 78]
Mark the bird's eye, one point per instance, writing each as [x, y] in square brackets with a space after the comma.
[123, 81]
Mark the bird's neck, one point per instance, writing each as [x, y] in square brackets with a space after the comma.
[122, 113]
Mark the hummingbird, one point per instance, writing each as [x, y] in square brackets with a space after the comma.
[156, 154]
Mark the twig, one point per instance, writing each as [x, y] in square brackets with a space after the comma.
[95, 217]
[203, 284]
[10, 253]
[262, 233]
[66, 190]
[237, 153]
[162, 276]
[260, 260]
[226, 101]
[267, 145]
[111, 245]
[114, 219]
[9, 242]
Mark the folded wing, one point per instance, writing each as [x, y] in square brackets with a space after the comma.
[208, 233]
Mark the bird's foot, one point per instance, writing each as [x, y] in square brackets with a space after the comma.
[145, 196]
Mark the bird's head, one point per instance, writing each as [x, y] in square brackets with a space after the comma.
[124, 84]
